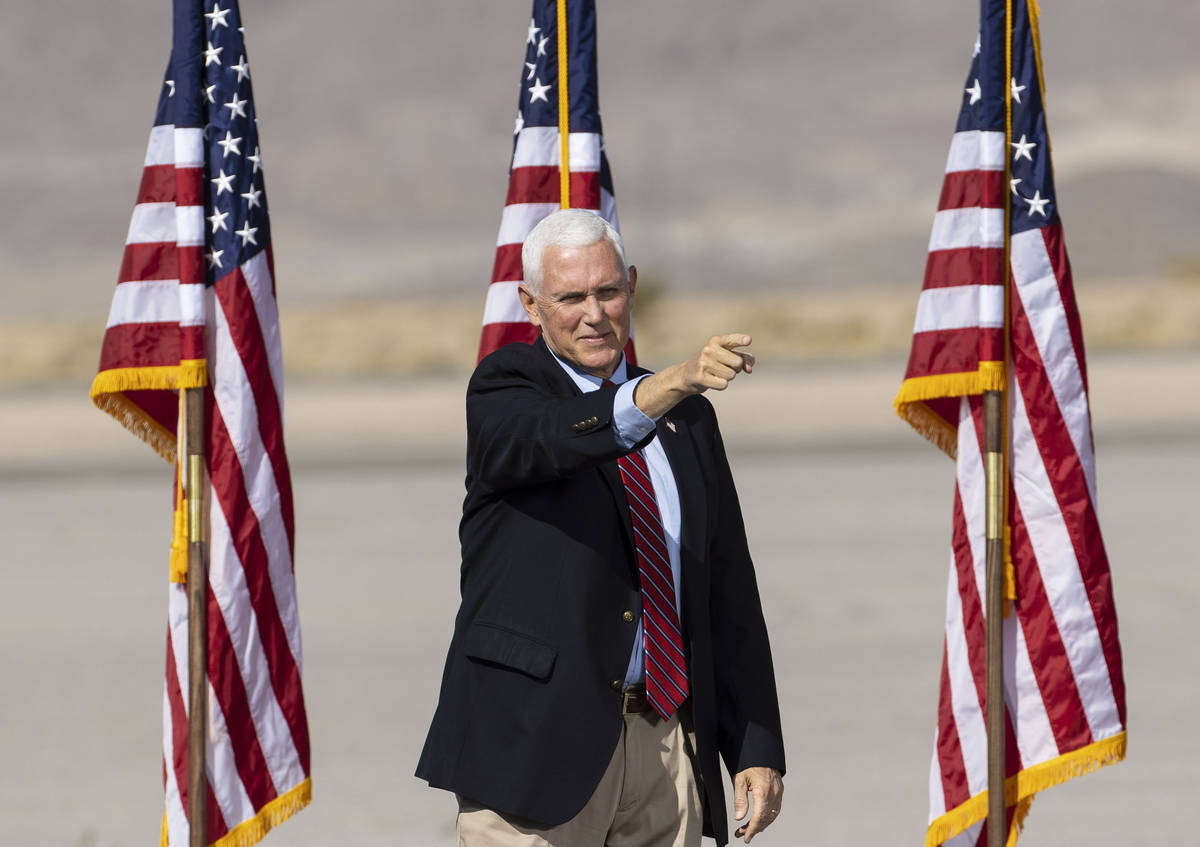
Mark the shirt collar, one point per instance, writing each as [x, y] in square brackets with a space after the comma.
[586, 381]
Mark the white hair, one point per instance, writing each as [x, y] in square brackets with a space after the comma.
[567, 228]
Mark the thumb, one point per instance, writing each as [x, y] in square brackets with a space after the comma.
[739, 796]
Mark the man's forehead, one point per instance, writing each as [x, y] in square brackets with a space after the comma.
[593, 265]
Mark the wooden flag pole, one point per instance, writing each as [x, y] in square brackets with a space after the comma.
[994, 436]
[197, 591]
[993, 443]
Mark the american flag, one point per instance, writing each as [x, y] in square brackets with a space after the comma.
[1064, 687]
[195, 307]
[535, 174]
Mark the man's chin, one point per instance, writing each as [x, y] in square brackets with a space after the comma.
[600, 363]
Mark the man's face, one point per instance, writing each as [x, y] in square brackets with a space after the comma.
[584, 306]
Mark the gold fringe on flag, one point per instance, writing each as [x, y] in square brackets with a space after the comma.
[942, 433]
[252, 831]
[108, 393]
[131, 416]
[1019, 789]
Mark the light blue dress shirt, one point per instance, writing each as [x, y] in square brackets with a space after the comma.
[631, 426]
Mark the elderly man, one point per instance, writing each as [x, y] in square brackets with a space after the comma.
[610, 644]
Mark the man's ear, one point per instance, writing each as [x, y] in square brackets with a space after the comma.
[529, 303]
[632, 279]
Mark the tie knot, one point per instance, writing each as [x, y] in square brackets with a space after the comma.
[606, 383]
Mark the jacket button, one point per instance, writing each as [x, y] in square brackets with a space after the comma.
[627, 617]
[615, 685]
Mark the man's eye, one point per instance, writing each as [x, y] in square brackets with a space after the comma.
[572, 298]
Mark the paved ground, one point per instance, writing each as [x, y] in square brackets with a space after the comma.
[848, 516]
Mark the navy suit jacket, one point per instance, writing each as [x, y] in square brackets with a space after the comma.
[529, 710]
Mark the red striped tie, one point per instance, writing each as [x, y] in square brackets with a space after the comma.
[666, 667]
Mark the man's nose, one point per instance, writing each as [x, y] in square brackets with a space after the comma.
[593, 313]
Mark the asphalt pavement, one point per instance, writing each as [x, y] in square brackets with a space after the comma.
[848, 515]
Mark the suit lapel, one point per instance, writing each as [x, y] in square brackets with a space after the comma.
[616, 487]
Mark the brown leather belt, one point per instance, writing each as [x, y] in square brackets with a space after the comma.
[634, 700]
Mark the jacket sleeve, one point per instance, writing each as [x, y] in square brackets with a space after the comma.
[520, 433]
[748, 724]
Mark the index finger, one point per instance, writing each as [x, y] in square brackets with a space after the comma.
[732, 340]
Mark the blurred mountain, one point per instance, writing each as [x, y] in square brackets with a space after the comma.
[765, 145]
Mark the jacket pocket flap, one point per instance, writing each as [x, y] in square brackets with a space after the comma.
[511, 649]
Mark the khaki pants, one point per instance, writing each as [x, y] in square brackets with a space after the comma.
[646, 798]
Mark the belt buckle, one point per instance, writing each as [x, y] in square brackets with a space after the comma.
[632, 694]
[626, 696]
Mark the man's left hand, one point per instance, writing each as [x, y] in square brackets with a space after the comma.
[767, 786]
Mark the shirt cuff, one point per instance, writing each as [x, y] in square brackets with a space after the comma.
[629, 422]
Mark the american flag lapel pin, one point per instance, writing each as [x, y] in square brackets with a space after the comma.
[671, 425]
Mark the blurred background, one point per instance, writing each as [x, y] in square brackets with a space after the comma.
[777, 167]
[780, 159]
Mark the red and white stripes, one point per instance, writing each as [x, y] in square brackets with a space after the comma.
[255, 645]
[258, 751]
[154, 336]
[958, 332]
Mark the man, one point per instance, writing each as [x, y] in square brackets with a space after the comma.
[610, 643]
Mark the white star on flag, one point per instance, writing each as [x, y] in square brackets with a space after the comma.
[537, 91]
[243, 70]
[247, 234]
[236, 107]
[214, 258]
[223, 182]
[212, 56]
[533, 31]
[1016, 90]
[230, 143]
[1023, 148]
[976, 92]
[218, 16]
[1037, 204]
[253, 198]
[217, 219]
